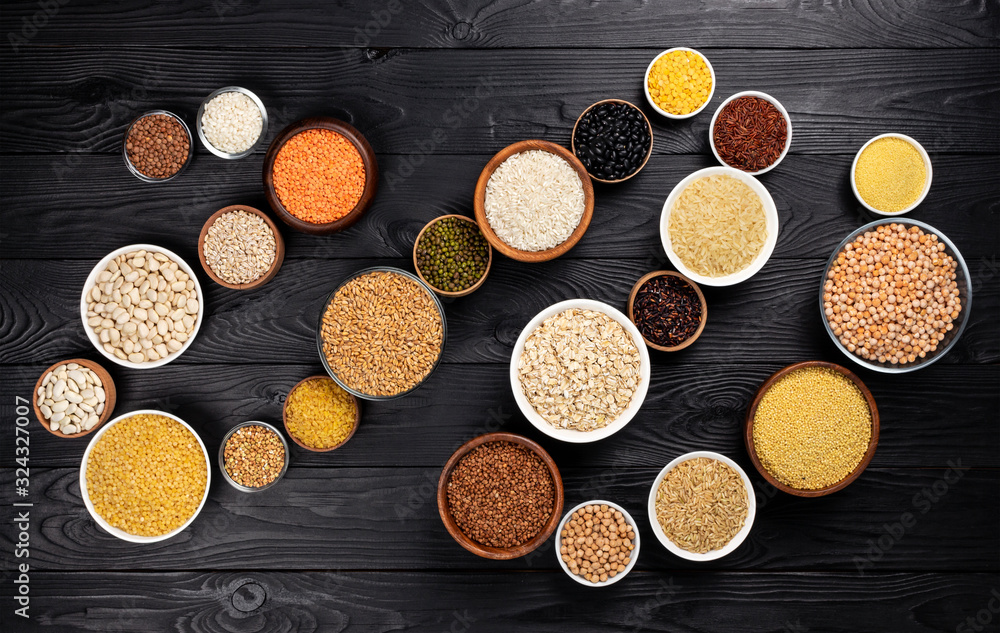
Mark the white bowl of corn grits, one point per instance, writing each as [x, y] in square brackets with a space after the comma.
[812, 428]
[891, 174]
[169, 481]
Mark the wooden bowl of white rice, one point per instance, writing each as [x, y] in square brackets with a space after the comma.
[534, 201]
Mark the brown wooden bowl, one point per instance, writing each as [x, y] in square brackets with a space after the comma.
[496, 553]
[357, 416]
[854, 474]
[106, 382]
[479, 203]
[649, 151]
[279, 246]
[701, 297]
[367, 157]
[445, 293]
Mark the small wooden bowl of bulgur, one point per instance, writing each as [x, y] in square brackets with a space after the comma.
[240, 247]
[812, 428]
[319, 415]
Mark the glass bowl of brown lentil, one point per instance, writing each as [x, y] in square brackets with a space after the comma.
[891, 174]
[145, 476]
[611, 564]
[753, 134]
[500, 496]
[258, 456]
[952, 278]
[384, 330]
[812, 429]
[170, 158]
[708, 503]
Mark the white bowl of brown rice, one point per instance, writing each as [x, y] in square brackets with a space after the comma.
[719, 226]
[580, 371]
[706, 520]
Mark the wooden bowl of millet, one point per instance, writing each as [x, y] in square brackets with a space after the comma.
[701, 297]
[359, 142]
[110, 396]
[752, 414]
[486, 551]
[354, 429]
[420, 273]
[279, 248]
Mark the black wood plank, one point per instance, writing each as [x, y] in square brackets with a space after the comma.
[387, 518]
[505, 24]
[773, 317]
[96, 206]
[687, 409]
[419, 101]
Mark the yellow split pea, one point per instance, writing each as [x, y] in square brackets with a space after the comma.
[890, 174]
[680, 82]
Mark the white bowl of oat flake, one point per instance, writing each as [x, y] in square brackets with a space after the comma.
[579, 371]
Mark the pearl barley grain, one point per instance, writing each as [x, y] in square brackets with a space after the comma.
[232, 122]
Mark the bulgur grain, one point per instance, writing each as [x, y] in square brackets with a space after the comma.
[319, 413]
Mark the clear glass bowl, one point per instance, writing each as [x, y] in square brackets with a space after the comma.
[326, 304]
[143, 177]
[256, 143]
[964, 293]
[222, 456]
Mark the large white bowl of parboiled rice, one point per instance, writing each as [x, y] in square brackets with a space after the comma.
[701, 506]
[719, 226]
[580, 371]
[145, 476]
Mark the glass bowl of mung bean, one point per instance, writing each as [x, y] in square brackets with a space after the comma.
[253, 456]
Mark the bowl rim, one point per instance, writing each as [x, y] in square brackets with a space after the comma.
[927, 167]
[951, 249]
[368, 158]
[770, 214]
[263, 129]
[279, 248]
[649, 97]
[284, 416]
[486, 551]
[107, 383]
[92, 280]
[479, 201]
[635, 542]
[329, 298]
[752, 412]
[222, 456]
[701, 297]
[761, 95]
[638, 398]
[735, 542]
[118, 532]
[649, 126]
[473, 287]
[132, 168]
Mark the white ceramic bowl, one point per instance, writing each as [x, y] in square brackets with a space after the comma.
[632, 559]
[927, 166]
[770, 213]
[649, 97]
[569, 435]
[92, 279]
[760, 95]
[714, 554]
[125, 536]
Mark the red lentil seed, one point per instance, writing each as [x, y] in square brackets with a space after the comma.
[254, 456]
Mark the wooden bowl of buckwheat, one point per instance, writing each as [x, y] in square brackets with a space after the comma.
[240, 247]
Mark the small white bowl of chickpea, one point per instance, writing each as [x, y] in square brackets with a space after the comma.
[610, 525]
[895, 295]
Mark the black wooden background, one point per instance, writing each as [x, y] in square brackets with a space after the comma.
[351, 540]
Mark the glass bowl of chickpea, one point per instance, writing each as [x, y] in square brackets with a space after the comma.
[895, 295]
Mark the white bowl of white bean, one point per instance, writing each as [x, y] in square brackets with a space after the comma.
[126, 327]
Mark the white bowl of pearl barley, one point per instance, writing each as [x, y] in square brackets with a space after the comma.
[157, 316]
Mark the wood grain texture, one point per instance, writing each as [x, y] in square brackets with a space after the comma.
[387, 518]
[98, 206]
[79, 100]
[507, 24]
[688, 408]
[773, 317]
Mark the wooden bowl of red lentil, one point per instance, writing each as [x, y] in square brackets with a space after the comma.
[486, 551]
[279, 248]
[866, 458]
[324, 136]
[350, 434]
[701, 298]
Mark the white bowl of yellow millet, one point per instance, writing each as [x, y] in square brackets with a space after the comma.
[883, 185]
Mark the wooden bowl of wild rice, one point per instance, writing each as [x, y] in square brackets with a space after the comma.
[528, 203]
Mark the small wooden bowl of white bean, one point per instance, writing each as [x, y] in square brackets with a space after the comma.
[93, 394]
